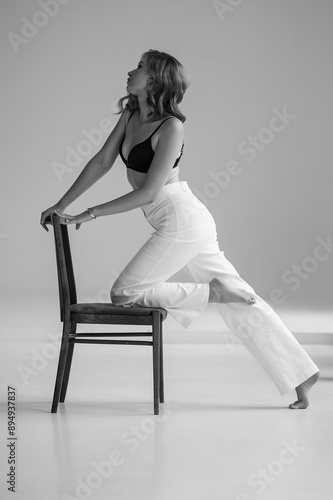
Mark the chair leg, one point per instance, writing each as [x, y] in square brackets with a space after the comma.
[61, 368]
[156, 334]
[67, 372]
[68, 366]
[161, 365]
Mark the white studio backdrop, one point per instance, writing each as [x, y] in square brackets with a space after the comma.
[258, 135]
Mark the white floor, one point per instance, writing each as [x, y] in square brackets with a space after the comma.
[224, 432]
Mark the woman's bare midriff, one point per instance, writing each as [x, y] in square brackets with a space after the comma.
[137, 179]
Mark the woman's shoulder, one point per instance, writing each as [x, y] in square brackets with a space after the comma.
[166, 116]
[171, 126]
[171, 122]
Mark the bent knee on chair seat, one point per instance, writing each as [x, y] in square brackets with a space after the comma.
[118, 297]
[122, 296]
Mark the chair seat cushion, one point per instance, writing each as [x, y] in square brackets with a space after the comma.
[101, 308]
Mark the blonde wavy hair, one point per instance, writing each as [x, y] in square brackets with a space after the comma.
[167, 89]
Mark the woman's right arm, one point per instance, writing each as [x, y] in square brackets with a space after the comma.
[98, 166]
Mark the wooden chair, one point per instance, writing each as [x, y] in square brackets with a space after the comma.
[72, 313]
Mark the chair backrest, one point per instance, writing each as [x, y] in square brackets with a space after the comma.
[66, 280]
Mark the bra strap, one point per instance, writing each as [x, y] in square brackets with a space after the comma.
[159, 126]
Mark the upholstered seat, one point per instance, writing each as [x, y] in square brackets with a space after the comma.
[101, 308]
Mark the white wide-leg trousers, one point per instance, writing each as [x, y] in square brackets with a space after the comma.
[185, 238]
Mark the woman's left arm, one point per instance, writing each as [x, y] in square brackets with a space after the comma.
[170, 141]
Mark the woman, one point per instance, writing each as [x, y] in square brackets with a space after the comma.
[149, 137]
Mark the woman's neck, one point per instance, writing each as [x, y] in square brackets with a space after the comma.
[143, 110]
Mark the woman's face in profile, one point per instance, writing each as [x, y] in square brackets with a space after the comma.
[138, 78]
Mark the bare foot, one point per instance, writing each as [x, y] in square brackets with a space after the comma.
[218, 292]
[302, 392]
